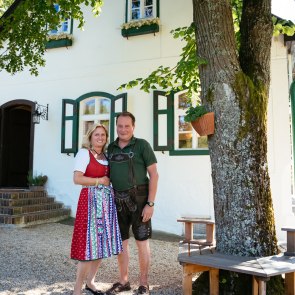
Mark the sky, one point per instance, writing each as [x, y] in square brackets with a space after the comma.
[284, 9]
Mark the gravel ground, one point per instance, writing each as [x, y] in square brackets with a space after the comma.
[35, 261]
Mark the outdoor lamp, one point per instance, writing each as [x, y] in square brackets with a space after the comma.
[40, 112]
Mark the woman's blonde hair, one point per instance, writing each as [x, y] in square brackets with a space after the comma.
[87, 141]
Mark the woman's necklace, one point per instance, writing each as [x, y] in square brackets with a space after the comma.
[97, 154]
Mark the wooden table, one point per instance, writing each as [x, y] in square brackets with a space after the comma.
[260, 268]
[189, 234]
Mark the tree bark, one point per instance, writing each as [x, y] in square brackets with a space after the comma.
[235, 85]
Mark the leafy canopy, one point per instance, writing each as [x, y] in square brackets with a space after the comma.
[23, 33]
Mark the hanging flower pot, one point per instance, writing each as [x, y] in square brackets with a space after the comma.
[204, 125]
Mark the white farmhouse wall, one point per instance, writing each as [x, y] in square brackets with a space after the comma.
[279, 148]
[100, 60]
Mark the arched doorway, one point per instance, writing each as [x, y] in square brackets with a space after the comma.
[16, 142]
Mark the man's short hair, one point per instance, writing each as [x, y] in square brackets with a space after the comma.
[126, 114]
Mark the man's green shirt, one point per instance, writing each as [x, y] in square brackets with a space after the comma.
[142, 156]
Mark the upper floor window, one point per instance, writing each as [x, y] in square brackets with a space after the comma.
[171, 132]
[64, 28]
[141, 9]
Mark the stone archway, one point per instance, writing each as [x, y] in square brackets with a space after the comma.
[16, 142]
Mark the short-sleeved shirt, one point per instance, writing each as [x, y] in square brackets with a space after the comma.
[143, 157]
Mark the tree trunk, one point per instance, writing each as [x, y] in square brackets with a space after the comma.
[235, 85]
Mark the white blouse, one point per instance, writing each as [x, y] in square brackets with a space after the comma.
[82, 160]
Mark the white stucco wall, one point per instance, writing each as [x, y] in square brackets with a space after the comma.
[279, 148]
[100, 60]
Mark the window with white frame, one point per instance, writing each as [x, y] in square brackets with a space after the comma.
[171, 132]
[79, 114]
[93, 110]
[65, 26]
[141, 9]
[185, 137]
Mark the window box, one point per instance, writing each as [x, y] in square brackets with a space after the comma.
[58, 43]
[144, 29]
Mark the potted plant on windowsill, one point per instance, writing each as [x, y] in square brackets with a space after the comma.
[201, 120]
[36, 182]
[59, 40]
[140, 27]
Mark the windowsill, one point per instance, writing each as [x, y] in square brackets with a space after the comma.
[58, 43]
[204, 152]
[145, 29]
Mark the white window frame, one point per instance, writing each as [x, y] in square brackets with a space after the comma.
[97, 117]
[142, 7]
[181, 112]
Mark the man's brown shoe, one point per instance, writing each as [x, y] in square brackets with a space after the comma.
[117, 288]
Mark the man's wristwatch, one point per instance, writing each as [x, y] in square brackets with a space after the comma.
[151, 204]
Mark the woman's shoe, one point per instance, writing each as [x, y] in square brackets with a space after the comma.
[96, 292]
[117, 288]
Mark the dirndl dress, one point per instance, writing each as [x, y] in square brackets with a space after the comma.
[96, 232]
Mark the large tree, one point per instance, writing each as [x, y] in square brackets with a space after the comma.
[235, 85]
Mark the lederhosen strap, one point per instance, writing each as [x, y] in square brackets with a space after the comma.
[131, 172]
[127, 197]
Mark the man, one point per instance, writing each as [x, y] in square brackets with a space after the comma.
[131, 159]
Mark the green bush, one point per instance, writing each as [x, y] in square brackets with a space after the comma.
[36, 179]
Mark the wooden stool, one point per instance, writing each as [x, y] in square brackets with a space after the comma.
[189, 235]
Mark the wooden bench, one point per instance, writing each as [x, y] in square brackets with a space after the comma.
[260, 268]
[189, 234]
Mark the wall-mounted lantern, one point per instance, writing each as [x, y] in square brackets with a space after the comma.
[40, 112]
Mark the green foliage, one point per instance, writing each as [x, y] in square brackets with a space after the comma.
[4, 4]
[23, 33]
[37, 179]
[194, 113]
[283, 27]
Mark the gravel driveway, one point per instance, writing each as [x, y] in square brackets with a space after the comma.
[35, 260]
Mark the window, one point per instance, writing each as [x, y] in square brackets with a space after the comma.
[64, 28]
[78, 115]
[93, 110]
[62, 36]
[185, 137]
[142, 17]
[141, 9]
[171, 132]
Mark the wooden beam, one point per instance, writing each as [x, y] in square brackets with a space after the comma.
[290, 283]
[254, 286]
[214, 281]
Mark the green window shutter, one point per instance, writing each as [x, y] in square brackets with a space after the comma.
[69, 126]
[163, 121]
[118, 105]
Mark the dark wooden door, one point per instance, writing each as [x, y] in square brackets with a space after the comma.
[16, 145]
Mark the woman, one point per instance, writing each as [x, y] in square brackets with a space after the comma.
[96, 231]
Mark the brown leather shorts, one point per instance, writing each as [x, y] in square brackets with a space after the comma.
[130, 205]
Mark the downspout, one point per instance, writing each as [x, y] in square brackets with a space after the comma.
[292, 98]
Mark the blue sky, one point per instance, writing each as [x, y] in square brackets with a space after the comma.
[284, 9]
